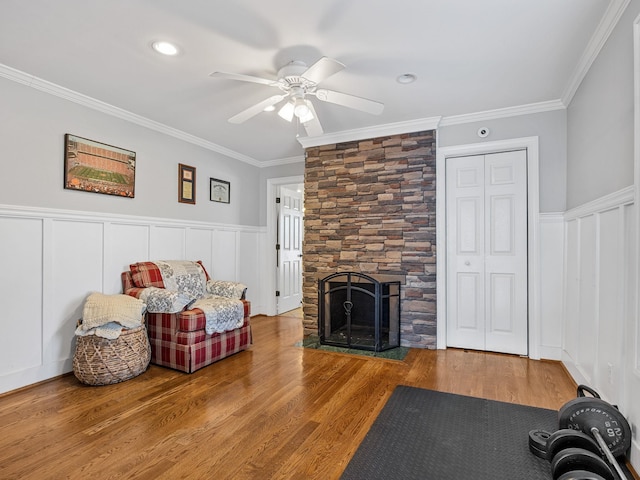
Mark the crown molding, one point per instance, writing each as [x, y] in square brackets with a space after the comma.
[84, 100]
[527, 109]
[371, 132]
[610, 19]
[429, 123]
[282, 161]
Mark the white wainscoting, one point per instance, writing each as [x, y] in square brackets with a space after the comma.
[551, 275]
[599, 292]
[601, 328]
[50, 260]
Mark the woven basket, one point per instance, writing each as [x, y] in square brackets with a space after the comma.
[100, 361]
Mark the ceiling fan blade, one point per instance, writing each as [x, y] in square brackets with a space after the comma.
[244, 78]
[256, 109]
[351, 101]
[313, 127]
[322, 69]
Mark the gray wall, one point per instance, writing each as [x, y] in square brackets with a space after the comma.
[33, 167]
[33, 124]
[550, 127]
[600, 120]
[279, 171]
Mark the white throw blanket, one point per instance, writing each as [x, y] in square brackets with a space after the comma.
[106, 315]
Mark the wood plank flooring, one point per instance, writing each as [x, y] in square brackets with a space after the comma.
[275, 411]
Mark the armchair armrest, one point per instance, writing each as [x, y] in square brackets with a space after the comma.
[227, 289]
[160, 300]
[134, 292]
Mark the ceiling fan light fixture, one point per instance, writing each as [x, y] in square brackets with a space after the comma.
[306, 114]
[307, 118]
[301, 109]
[287, 111]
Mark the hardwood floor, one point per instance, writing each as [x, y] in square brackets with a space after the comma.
[274, 411]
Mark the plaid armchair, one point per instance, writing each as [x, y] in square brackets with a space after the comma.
[179, 340]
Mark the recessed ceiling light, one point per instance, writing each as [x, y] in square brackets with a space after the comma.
[406, 78]
[165, 48]
[270, 108]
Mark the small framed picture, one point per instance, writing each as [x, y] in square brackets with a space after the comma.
[186, 184]
[220, 190]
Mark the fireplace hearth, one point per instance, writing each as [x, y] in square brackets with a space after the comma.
[358, 311]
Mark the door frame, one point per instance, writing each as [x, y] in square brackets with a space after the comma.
[272, 235]
[530, 144]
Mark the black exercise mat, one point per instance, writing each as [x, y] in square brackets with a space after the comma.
[424, 434]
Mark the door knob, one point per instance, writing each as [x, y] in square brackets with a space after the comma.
[467, 263]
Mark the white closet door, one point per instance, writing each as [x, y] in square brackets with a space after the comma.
[465, 252]
[487, 252]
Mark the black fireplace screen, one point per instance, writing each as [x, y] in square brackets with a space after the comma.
[357, 311]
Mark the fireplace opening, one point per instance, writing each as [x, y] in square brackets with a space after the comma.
[358, 311]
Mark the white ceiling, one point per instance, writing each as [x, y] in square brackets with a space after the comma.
[469, 56]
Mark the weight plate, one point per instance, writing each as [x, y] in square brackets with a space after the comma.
[572, 459]
[581, 475]
[584, 413]
[538, 442]
[567, 437]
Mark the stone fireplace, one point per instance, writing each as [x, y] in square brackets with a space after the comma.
[370, 207]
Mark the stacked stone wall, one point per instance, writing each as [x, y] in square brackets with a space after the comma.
[370, 207]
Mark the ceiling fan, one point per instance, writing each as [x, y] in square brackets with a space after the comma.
[297, 82]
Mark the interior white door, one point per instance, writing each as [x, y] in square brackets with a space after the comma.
[290, 231]
[486, 204]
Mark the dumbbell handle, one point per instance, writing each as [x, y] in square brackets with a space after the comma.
[612, 460]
